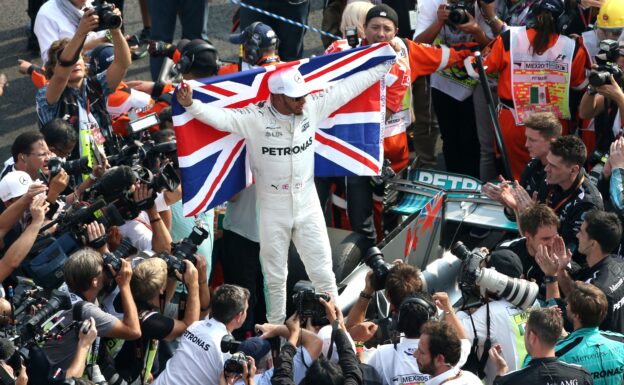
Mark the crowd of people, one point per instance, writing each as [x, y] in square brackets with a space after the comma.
[104, 280]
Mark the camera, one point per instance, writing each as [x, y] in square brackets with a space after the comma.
[459, 12]
[229, 344]
[157, 48]
[606, 59]
[352, 36]
[187, 247]
[58, 301]
[306, 301]
[235, 364]
[108, 18]
[72, 167]
[173, 264]
[124, 249]
[374, 260]
[519, 292]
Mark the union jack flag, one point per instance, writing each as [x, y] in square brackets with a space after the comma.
[214, 164]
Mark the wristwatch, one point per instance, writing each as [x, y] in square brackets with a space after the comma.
[550, 278]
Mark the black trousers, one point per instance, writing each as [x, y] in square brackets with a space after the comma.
[458, 129]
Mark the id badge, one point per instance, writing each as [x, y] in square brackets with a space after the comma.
[97, 134]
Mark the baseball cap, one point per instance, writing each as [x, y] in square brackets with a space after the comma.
[14, 185]
[259, 31]
[383, 10]
[289, 82]
[255, 347]
[555, 7]
[506, 262]
[101, 58]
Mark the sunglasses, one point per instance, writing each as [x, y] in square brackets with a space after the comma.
[297, 99]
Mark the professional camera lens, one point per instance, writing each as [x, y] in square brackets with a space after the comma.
[229, 344]
[374, 260]
[58, 301]
[519, 292]
[460, 251]
[235, 363]
[458, 16]
[173, 264]
[306, 301]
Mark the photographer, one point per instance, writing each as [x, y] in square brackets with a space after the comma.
[149, 280]
[72, 92]
[605, 102]
[395, 362]
[496, 322]
[543, 329]
[199, 360]
[322, 371]
[459, 24]
[586, 308]
[84, 275]
[401, 281]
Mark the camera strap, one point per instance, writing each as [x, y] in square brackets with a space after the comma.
[480, 361]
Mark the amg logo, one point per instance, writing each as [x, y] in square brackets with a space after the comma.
[278, 151]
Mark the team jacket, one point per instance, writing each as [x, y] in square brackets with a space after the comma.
[547, 371]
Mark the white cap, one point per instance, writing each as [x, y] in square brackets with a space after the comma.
[14, 184]
[289, 82]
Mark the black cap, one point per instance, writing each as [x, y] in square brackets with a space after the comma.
[259, 31]
[383, 10]
[506, 262]
[555, 7]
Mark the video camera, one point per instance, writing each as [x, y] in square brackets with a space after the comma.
[306, 301]
[108, 18]
[519, 292]
[609, 50]
[184, 250]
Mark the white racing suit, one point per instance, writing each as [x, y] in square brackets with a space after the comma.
[281, 148]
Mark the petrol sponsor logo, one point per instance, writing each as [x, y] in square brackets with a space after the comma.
[196, 340]
[447, 181]
[280, 151]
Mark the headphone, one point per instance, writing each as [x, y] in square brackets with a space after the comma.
[187, 58]
[252, 50]
[417, 299]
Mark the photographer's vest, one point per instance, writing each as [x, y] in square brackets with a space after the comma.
[540, 83]
[92, 123]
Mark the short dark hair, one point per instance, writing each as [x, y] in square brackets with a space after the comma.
[58, 132]
[443, 340]
[163, 135]
[412, 315]
[571, 149]
[227, 302]
[324, 372]
[546, 123]
[605, 228]
[23, 143]
[546, 324]
[402, 280]
[589, 303]
[537, 216]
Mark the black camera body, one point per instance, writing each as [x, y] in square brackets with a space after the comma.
[375, 260]
[471, 266]
[306, 301]
[235, 364]
[184, 250]
[459, 12]
[72, 167]
[606, 59]
[108, 18]
[124, 249]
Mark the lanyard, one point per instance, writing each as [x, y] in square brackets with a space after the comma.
[564, 200]
[585, 20]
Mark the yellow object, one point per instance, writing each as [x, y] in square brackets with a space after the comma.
[611, 14]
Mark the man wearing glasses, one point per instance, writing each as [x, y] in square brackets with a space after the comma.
[280, 139]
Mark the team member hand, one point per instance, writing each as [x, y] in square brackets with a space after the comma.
[332, 311]
[496, 355]
[184, 94]
[523, 200]
[443, 14]
[547, 260]
[190, 275]
[23, 66]
[86, 340]
[117, 12]
[442, 301]
[140, 85]
[294, 328]
[563, 255]
[267, 330]
[471, 26]
[395, 45]
[249, 370]
[57, 185]
[616, 153]
[96, 231]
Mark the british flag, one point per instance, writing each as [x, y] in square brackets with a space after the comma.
[215, 165]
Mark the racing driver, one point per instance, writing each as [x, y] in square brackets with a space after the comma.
[280, 139]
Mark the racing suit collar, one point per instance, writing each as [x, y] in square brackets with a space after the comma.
[543, 360]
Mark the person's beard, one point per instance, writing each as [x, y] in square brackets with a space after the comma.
[427, 368]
